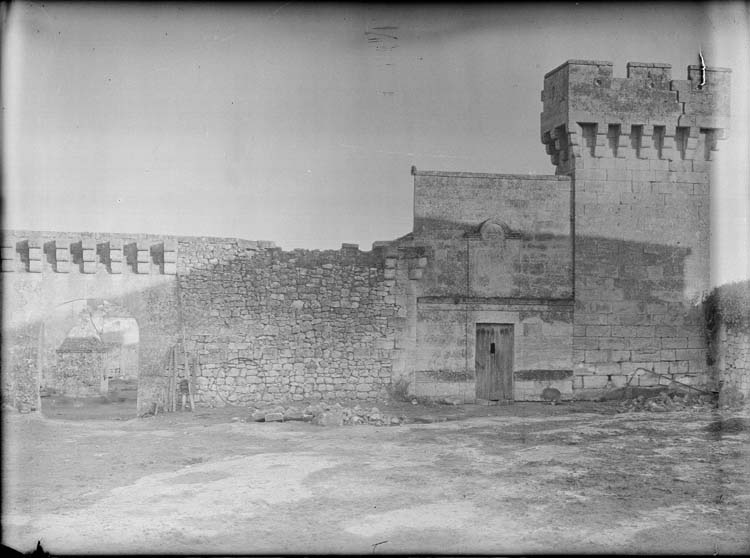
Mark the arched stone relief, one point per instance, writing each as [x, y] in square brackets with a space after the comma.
[496, 229]
[493, 229]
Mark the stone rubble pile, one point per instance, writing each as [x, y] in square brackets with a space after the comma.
[667, 401]
[324, 414]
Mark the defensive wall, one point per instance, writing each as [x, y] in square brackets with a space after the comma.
[594, 272]
[260, 323]
[270, 325]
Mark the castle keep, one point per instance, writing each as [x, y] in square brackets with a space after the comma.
[507, 284]
[638, 151]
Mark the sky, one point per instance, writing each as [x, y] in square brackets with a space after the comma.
[299, 123]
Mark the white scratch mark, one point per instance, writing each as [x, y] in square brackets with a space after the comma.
[703, 68]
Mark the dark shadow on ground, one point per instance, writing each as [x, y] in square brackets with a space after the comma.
[119, 404]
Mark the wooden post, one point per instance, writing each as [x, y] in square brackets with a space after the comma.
[174, 380]
[172, 376]
[166, 398]
[190, 386]
[39, 370]
[187, 362]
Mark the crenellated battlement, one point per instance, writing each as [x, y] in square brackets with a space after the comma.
[123, 253]
[588, 113]
[87, 254]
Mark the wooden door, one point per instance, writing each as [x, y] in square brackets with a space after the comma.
[494, 362]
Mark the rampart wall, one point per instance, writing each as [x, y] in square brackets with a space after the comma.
[268, 325]
[261, 323]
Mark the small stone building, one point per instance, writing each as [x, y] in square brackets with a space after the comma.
[81, 367]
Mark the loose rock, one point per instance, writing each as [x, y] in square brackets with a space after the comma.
[258, 416]
[329, 418]
[293, 414]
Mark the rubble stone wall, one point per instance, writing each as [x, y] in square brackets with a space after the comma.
[733, 363]
[269, 325]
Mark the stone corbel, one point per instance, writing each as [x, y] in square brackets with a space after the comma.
[624, 148]
[692, 142]
[647, 150]
[35, 256]
[88, 252]
[62, 256]
[170, 257]
[668, 150]
[10, 257]
[143, 259]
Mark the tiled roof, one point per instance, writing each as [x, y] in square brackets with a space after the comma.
[82, 345]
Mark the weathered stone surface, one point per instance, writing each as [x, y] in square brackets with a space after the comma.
[730, 352]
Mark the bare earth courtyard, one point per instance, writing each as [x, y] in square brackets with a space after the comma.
[522, 478]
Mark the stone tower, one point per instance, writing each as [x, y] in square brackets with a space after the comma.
[639, 153]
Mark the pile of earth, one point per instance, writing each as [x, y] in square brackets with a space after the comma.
[324, 414]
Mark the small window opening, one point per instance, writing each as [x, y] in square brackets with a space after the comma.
[492, 348]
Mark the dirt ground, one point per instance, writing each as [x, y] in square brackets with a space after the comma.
[523, 478]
